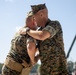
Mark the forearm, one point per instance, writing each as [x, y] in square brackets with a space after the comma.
[39, 35]
[36, 34]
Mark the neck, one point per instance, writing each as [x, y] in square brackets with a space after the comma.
[44, 23]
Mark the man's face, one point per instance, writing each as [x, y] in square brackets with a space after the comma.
[31, 24]
[37, 19]
[40, 18]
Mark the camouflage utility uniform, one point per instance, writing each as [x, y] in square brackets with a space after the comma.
[52, 55]
[18, 53]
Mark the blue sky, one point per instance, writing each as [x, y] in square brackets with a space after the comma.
[13, 13]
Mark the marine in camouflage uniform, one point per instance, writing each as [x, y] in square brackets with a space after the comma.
[52, 54]
[17, 55]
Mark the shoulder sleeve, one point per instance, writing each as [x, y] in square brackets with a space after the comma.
[30, 39]
[53, 28]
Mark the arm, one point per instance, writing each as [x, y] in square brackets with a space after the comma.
[31, 49]
[49, 31]
[31, 45]
[40, 35]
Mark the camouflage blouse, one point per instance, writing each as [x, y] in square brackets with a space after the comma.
[18, 50]
[52, 55]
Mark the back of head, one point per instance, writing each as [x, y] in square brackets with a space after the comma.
[41, 13]
[36, 8]
[29, 20]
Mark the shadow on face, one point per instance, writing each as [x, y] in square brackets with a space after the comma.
[31, 23]
[41, 17]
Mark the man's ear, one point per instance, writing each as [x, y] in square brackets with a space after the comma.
[41, 15]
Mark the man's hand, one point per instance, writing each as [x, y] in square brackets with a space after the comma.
[22, 31]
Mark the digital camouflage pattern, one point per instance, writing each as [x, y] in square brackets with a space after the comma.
[8, 71]
[52, 55]
[18, 53]
[36, 8]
